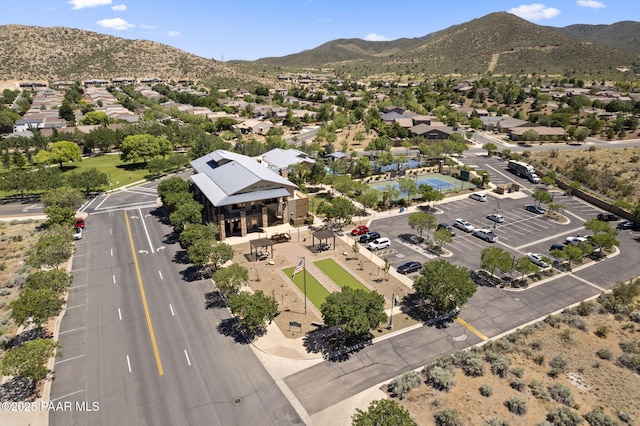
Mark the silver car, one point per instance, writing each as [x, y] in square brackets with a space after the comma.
[486, 235]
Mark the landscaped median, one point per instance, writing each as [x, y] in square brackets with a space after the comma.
[339, 275]
[316, 293]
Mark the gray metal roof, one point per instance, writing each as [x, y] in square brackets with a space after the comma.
[282, 158]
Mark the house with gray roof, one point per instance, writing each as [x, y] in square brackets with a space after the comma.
[280, 159]
[241, 195]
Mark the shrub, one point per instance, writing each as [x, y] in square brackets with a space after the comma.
[486, 390]
[518, 372]
[625, 417]
[473, 367]
[448, 417]
[604, 354]
[518, 384]
[440, 378]
[577, 322]
[563, 416]
[539, 359]
[597, 417]
[500, 367]
[635, 316]
[561, 394]
[516, 405]
[584, 309]
[496, 422]
[558, 366]
[630, 361]
[629, 347]
[402, 384]
[538, 390]
[536, 345]
[602, 332]
[566, 335]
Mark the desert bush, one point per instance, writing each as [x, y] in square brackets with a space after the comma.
[536, 345]
[629, 347]
[496, 422]
[597, 417]
[566, 335]
[558, 366]
[539, 359]
[553, 321]
[561, 394]
[402, 384]
[500, 367]
[630, 361]
[604, 353]
[486, 390]
[448, 417]
[439, 378]
[538, 390]
[518, 372]
[584, 309]
[635, 316]
[625, 417]
[518, 384]
[516, 405]
[564, 416]
[602, 332]
[577, 322]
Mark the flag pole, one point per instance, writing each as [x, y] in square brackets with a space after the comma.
[304, 271]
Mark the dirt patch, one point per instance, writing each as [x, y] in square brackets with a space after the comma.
[592, 380]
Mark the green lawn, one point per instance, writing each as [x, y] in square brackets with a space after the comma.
[339, 275]
[119, 173]
[316, 293]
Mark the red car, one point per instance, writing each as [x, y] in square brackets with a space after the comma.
[79, 223]
[360, 230]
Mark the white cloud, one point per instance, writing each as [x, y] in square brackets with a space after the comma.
[591, 3]
[173, 33]
[115, 24]
[535, 11]
[119, 7]
[83, 4]
[375, 37]
[148, 27]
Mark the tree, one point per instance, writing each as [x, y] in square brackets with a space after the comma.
[390, 193]
[525, 266]
[408, 187]
[59, 215]
[102, 138]
[88, 179]
[197, 232]
[430, 195]
[355, 311]
[36, 306]
[64, 196]
[172, 185]
[369, 197]
[355, 248]
[444, 286]
[64, 151]
[29, 359]
[542, 196]
[489, 146]
[530, 135]
[441, 236]
[341, 209]
[53, 279]
[581, 134]
[230, 280]
[221, 253]
[199, 253]
[54, 246]
[142, 148]
[186, 213]
[66, 112]
[95, 117]
[383, 412]
[492, 258]
[254, 310]
[420, 221]
[18, 180]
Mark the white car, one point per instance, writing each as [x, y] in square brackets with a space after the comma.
[77, 233]
[478, 197]
[576, 240]
[538, 259]
[464, 225]
[495, 217]
[486, 234]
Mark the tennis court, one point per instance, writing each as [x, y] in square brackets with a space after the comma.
[437, 181]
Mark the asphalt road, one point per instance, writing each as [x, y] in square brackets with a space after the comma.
[192, 375]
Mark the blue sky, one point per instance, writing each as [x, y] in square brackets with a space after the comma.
[252, 29]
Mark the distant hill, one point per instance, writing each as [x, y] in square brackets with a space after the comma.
[58, 53]
[498, 42]
[623, 35]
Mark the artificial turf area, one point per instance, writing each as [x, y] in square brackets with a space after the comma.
[316, 293]
[339, 275]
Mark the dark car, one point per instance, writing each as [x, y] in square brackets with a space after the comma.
[629, 224]
[370, 236]
[534, 209]
[556, 247]
[607, 217]
[409, 267]
[447, 227]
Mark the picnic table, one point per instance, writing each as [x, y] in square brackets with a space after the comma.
[280, 238]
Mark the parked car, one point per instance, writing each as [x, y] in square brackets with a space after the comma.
[447, 227]
[478, 197]
[464, 225]
[607, 217]
[486, 234]
[409, 267]
[534, 209]
[379, 243]
[576, 240]
[629, 224]
[369, 236]
[495, 217]
[77, 233]
[360, 230]
[556, 247]
[79, 223]
[538, 259]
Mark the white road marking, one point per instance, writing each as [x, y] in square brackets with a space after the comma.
[69, 394]
[160, 273]
[144, 225]
[111, 252]
[69, 331]
[102, 202]
[187, 356]
[73, 307]
[69, 359]
[114, 278]
[129, 363]
[171, 307]
[110, 231]
[119, 314]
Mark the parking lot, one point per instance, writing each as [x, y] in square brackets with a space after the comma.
[521, 232]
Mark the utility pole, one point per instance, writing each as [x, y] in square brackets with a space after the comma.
[393, 302]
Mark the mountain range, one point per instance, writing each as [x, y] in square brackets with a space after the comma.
[498, 43]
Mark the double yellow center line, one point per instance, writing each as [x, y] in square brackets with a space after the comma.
[152, 336]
